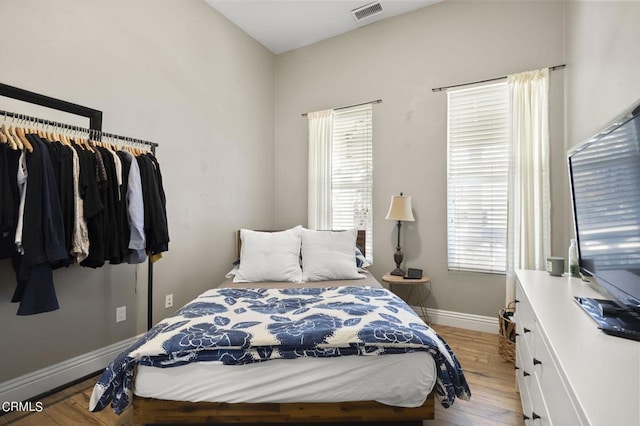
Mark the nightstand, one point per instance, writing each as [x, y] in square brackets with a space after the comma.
[422, 287]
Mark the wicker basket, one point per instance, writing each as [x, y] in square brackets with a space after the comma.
[507, 336]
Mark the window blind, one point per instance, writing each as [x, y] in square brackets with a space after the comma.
[352, 171]
[477, 178]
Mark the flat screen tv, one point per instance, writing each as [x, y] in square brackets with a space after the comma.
[604, 174]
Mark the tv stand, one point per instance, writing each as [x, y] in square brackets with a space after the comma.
[611, 318]
[569, 372]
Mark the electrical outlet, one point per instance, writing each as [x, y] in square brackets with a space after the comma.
[168, 301]
[121, 314]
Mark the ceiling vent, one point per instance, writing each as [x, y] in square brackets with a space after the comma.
[367, 11]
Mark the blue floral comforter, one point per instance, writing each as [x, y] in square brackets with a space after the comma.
[240, 326]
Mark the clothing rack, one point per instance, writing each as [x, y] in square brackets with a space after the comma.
[94, 115]
[94, 131]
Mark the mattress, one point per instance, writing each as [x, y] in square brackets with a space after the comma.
[402, 380]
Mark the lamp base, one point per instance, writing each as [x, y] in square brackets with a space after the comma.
[398, 271]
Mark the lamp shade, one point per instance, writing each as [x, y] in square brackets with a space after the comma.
[400, 208]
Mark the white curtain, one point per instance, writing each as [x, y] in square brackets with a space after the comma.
[319, 200]
[528, 233]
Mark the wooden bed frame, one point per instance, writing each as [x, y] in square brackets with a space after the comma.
[372, 413]
[156, 411]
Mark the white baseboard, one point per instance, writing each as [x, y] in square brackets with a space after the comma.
[25, 387]
[462, 320]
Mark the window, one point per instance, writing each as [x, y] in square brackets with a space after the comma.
[352, 172]
[341, 171]
[477, 178]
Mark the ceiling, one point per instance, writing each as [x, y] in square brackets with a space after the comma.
[284, 25]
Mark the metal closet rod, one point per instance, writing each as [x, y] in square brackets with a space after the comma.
[65, 126]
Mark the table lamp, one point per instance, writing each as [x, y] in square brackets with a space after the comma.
[400, 210]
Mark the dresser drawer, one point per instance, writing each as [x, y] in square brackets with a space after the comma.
[533, 405]
[524, 310]
[524, 355]
[556, 395]
[525, 329]
[538, 414]
[523, 385]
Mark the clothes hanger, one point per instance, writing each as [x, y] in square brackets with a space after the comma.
[65, 136]
[139, 149]
[47, 131]
[7, 133]
[3, 137]
[39, 130]
[76, 141]
[86, 142]
[19, 131]
[33, 126]
[93, 138]
[36, 129]
[14, 136]
[57, 134]
[134, 148]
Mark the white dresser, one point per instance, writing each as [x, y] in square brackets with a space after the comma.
[567, 370]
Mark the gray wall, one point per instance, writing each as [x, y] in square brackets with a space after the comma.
[400, 60]
[603, 73]
[173, 72]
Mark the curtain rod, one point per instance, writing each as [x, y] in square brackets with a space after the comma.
[440, 89]
[72, 127]
[377, 101]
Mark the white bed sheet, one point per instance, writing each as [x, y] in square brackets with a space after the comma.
[401, 380]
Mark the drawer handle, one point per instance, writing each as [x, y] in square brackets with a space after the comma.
[526, 330]
[517, 334]
[534, 415]
[537, 362]
[525, 417]
[516, 301]
[525, 374]
[516, 367]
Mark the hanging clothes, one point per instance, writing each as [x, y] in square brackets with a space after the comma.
[135, 210]
[62, 162]
[9, 199]
[93, 207]
[155, 214]
[80, 235]
[63, 203]
[42, 235]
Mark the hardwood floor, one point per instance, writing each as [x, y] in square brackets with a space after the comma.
[491, 379]
[494, 400]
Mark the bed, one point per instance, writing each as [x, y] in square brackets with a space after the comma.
[304, 375]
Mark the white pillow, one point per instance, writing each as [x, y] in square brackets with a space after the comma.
[269, 256]
[329, 255]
